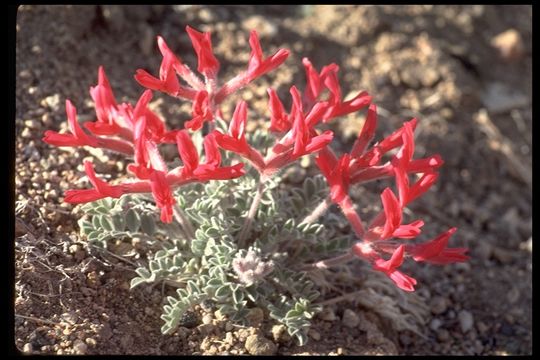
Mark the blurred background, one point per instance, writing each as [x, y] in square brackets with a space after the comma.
[464, 71]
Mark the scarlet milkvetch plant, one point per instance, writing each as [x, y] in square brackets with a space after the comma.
[238, 238]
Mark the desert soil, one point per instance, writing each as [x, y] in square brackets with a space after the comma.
[449, 66]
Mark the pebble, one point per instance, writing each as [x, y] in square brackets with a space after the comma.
[206, 329]
[229, 338]
[510, 45]
[259, 345]
[438, 305]
[255, 316]
[278, 332]
[27, 348]
[350, 319]
[328, 314]
[207, 319]
[189, 319]
[466, 320]
[80, 347]
[314, 334]
[264, 27]
[32, 124]
[484, 250]
[503, 255]
[52, 102]
[443, 335]
[435, 324]
[513, 295]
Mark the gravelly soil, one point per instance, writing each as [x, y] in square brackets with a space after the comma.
[470, 89]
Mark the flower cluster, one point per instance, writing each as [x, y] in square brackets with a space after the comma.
[138, 132]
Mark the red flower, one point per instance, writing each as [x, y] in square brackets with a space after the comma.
[201, 111]
[202, 43]
[315, 80]
[101, 189]
[258, 66]
[77, 137]
[188, 152]
[389, 267]
[367, 133]
[279, 120]
[235, 140]
[106, 107]
[436, 252]
[161, 191]
[336, 173]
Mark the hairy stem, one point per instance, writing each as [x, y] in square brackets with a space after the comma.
[325, 264]
[319, 211]
[246, 229]
[184, 221]
[352, 216]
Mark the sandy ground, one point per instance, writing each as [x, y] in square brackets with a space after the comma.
[469, 86]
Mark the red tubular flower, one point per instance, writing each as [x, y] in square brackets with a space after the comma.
[279, 120]
[202, 43]
[436, 252]
[315, 81]
[77, 137]
[392, 212]
[336, 173]
[201, 111]
[395, 139]
[389, 267]
[299, 130]
[161, 191]
[101, 189]
[367, 133]
[188, 152]
[106, 107]
[258, 66]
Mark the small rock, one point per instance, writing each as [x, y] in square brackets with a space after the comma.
[435, 324]
[207, 319]
[219, 315]
[466, 320]
[482, 327]
[510, 45]
[507, 329]
[278, 331]
[259, 345]
[513, 295]
[314, 334]
[503, 255]
[126, 342]
[206, 16]
[255, 316]
[484, 250]
[265, 28]
[206, 329]
[80, 347]
[350, 319]
[52, 102]
[229, 339]
[27, 348]
[32, 124]
[328, 314]
[438, 305]
[90, 341]
[443, 335]
[229, 326]
[189, 319]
